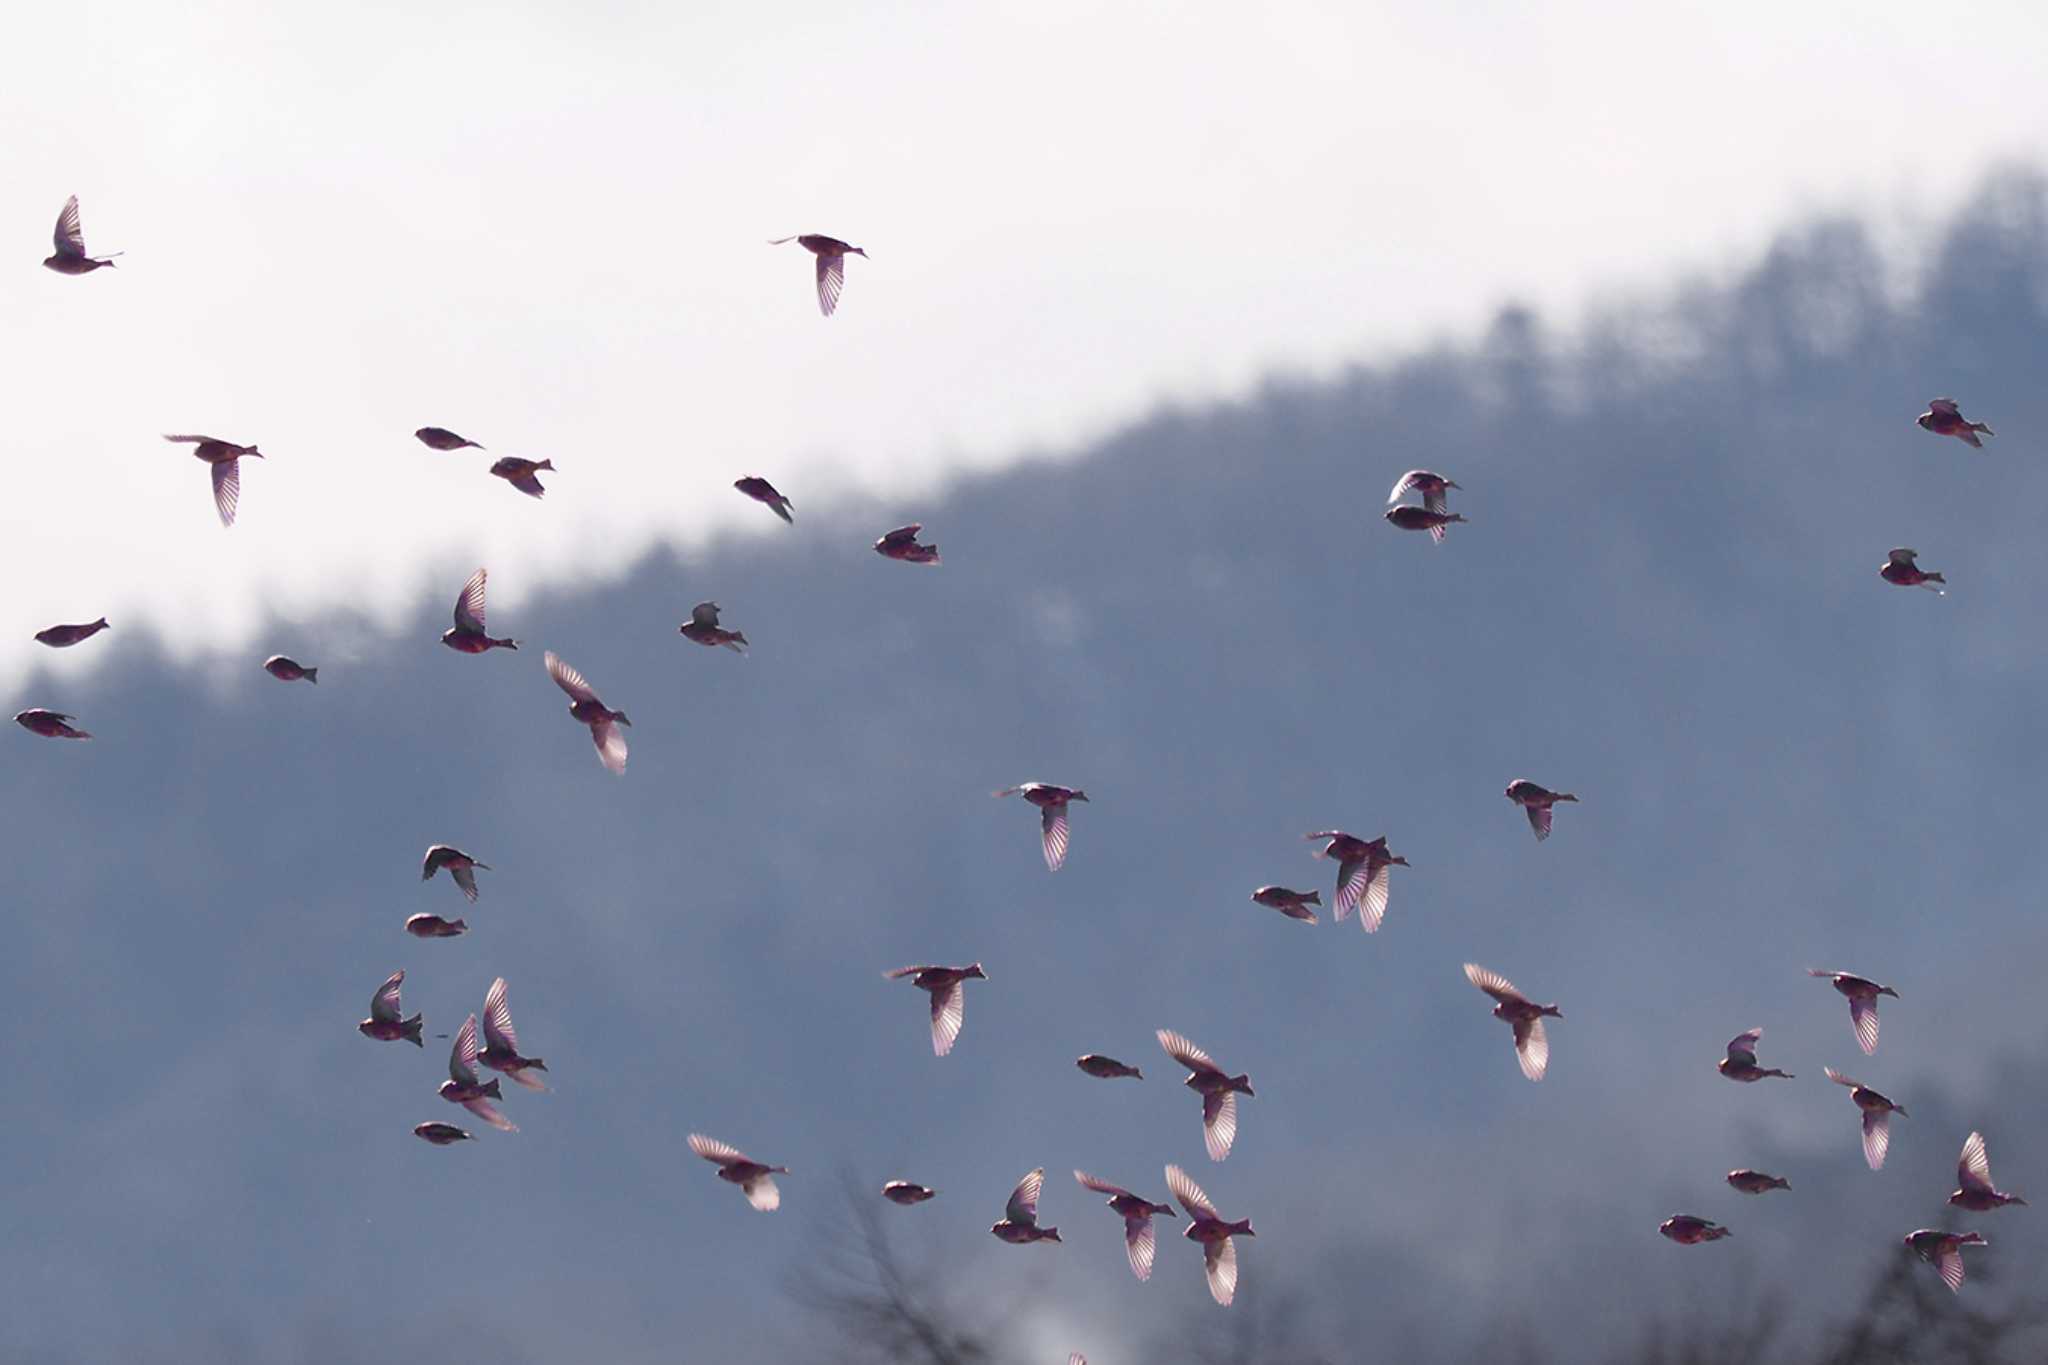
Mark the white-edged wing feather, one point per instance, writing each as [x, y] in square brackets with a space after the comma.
[1052, 826]
[1220, 1262]
[1023, 1205]
[227, 489]
[1190, 1195]
[949, 1012]
[469, 607]
[384, 1005]
[462, 1057]
[1186, 1053]
[1219, 1122]
[498, 1034]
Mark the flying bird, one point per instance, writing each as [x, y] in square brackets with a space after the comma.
[466, 1088]
[1432, 487]
[906, 1192]
[63, 637]
[440, 438]
[70, 257]
[226, 459]
[1975, 1191]
[1052, 802]
[1293, 904]
[1944, 1251]
[1536, 802]
[1862, 994]
[1361, 875]
[433, 926]
[1213, 1231]
[290, 670]
[1136, 1211]
[48, 724]
[1756, 1182]
[1877, 1114]
[1688, 1230]
[520, 473]
[831, 254]
[901, 544]
[1411, 518]
[584, 705]
[1219, 1091]
[949, 998]
[1740, 1063]
[756, 1181]
[1900, 570]
[459, 864]
[1532, 1046]
[1019, 1223]
[1106, 1068]
[703, 628]
[440, 1134]
[760, 490]
[468, 635]
[1944, 418]
[387, 1022]
[501, 1041]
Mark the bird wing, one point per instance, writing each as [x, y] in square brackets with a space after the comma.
[1539, 820]
[529, 485]
[1089, 1182]
[831, 278]
[384, 1004]
[897, 973]
[462, 1057]
[1532, 1047]
[189, 440]
[491, 1114]
[1863, 1014]
[1944, 406]
[1140, 1244]
[1493, 983]
[498, 1032]
[1219, 1122]
[1189, 1194]
[1220, 1261]
[1902, 557]
[227, 489]
[704, 614]
[611, 746]
[1401, 486]
[1839, 1079]
[1052, 833]
[1353, 876]
[466, 879]
[949, 1012]
[1742, 1047]
[567, 678]
[1877, 1137]
[1948, 1263]
[1023, 1205]
[469, 607]
[1973, 1171]
[762, 1193]
[716, 1152]
[1372, 906]
[1433, 501]
[70, 237]
[1186, 1053]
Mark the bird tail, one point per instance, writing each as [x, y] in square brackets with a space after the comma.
[1984, 427]
[1243, 1083]
[1242, 1228]
[410, 1030]
[458, 924]
[739, 638]
[102, 624]
[1312, 898]
[1781, 1183]
[493, 1091]
[1052, 1235]
[80, 734]
[1553, 1011]
[1972, 1239]
[1936, 578]
[536, 1064]
[506, 644]
[547, 464]
[1567, 796]
[782, 510]
[313, 676]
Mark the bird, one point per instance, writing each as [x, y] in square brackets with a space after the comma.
[1944, 1251]
[1944, 418]
[1877, 1115]
[433, 926]
[1689, 1230]
[1136, 1211]
[63, 637]
[1532, 1045]
[226, 459]
[48, 724]
[387, 1022]
[468, 635]
[1862, 994]
[1536, 802]
[906, 1192]
[520, 473]
[1411, 518]
[584, 705]
[1019, 1223]
[760, 490]
[440, 438]
[1756, 1182]
[1293, 904]
[703, 629]
[756, 1181]
[1361, 875]
[1975, 1191]
[1900, 570]
[1052, 802]
[831, 254]
[440, 1134]
[459, 864]
[466, 1088]
[949, 998]
[1432, 487]
[901, 544]
[1213, 1231]
[286, 669]
[1740, 1063]
[501, 1042]
[69, 257]
[1218, 1089]
[1106, 1068]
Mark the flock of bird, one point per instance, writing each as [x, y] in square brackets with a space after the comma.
[1361, 887]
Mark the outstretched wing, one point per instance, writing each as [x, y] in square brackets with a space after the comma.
[1089, 1182]
[762, 1193]
[1877, 1137]
[716, 1152]
[1023, 1205]
[949, 1012]
[831, 278]
[491, 1114]
[1140, 1244]
[462, 1057]
[469, 607]
[70, 237]
[1493, 983]
[1189, 1194]
[611, 746]
[1742, 1047]
[384, 1005]
[1539, 820]
[1948, 1263]
[1220, 1260]
[1372, 906]
[1973, 1172]
[498, 1033]
[567, 678]
[1219, 1122]
[1052, 827]
[227, 489]
[1863, 1016]
[1185, 1052]
[1532, 1047]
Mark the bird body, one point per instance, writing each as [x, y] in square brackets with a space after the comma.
[1944, 1251]
[440, 438]
[1536, 801]
[1877, 1113]
[1051, 800]
[756, 1180]
[1900, 570]
[466, 1087]
[901, 544]
[48, 724]
[1862, 994]
[433, 926]
[1293, 904]
[1411, 518]
[1756, 1182]
[906, 1192]
[703, 628]
[1974, 1190]
[1944, 418]
[440, 1134]
[501, 1042]
[1690, 1230]
[63, 637]
[1140, 1245]
[1523, 1015]
[1106, 1068]
[1212, 1231]
[1019, 1224]
[460, 866]
[949, 998]
[387, 1022]
[520, 473]
[286, 669]
[762, 491]
[1740, 1063]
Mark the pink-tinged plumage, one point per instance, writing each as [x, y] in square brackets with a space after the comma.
[1689, 1230]
[459, 864]
[1293, 904]
[1944, 1251]
[1019, 1223]
[1877, 1113]
[1362, 877]
[1410, 518]
[440, 438]
[949, 998]
[1219, 1091]
[907, 1192]
[1536, 801]
[387, 1022]
[1432, 486]
[762, 491]
[1740, 1063]
[1975, 1191]
[501, 1041]
[901, 545]
[1077, 1359]
[468, 635]
[226, 459]
[466, 1087]
[831, 254]
[48, 724]
[1862, 994]
[1756, 1182]
[1051, 801]
[1532, 1044]
[70, 256]
[1944, 418]
[520, 474]
[584, 705]
[440, 1134]
[1106, 1068]
[1213, 1231]
[756, 1181]
[1902, 570]
[63, 637]
[1140, 1246]
[433, 926]
[703, 628]
[286, 669]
